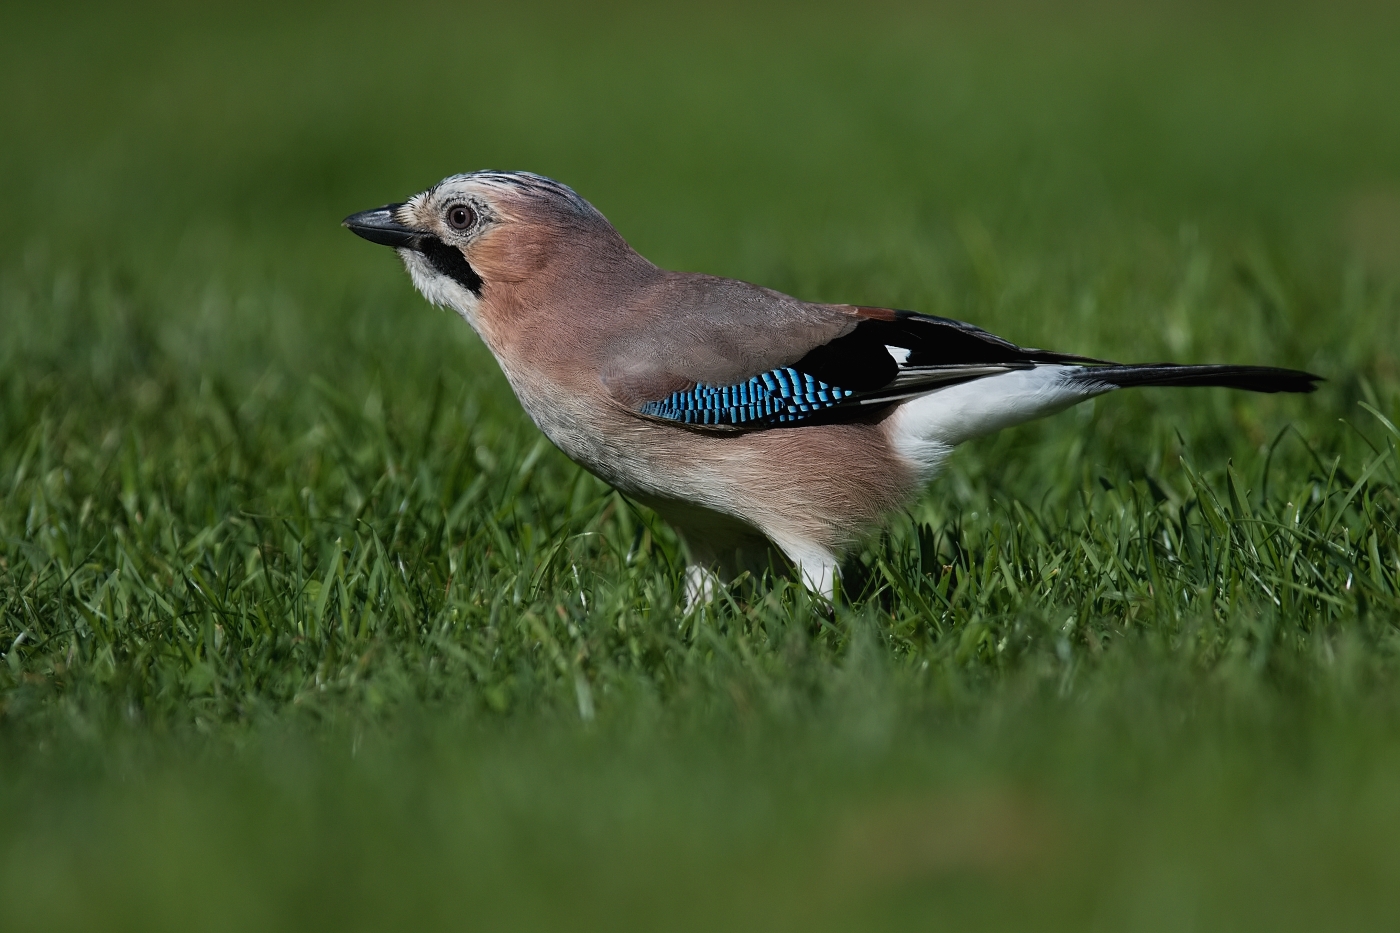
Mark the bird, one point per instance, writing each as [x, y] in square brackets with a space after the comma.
[766, 430]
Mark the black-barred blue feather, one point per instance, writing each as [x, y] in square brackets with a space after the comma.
[779, 396]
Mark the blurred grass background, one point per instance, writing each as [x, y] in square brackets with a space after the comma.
[304, 626]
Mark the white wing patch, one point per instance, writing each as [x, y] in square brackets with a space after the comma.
[920, 379]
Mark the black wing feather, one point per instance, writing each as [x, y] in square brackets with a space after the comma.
[900, 354]
[861, 361]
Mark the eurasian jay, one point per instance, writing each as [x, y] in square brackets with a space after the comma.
[745, 418]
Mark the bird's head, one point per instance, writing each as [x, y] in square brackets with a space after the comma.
[492, 245]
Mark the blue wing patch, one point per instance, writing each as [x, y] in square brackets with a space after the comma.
[779, 396]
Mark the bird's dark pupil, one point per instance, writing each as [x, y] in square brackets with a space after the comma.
[459, 217]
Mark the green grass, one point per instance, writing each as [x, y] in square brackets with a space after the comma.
[304, 625]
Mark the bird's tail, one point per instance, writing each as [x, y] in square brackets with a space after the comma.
[1249, 378]
[926, 427]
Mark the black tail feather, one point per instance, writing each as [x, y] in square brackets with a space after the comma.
[1249, 378]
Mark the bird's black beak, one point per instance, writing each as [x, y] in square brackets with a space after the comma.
[379, 226]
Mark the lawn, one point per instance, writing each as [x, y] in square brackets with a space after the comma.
[304, 625]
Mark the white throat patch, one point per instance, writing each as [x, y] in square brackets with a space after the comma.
[442, 290]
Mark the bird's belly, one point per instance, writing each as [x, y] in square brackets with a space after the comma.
[624, 457]
[819, 483]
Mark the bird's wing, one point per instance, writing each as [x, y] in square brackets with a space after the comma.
[784, 363]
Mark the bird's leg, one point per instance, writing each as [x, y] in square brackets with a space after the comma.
[718, 548]
[820, 577]
[816, 565]
[706, 570]
[701, 585]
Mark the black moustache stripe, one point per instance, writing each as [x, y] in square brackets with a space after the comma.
[450, 262]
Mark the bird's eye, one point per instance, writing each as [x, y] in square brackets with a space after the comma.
[460, 217]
